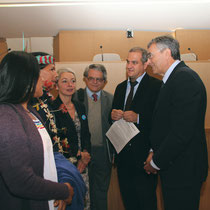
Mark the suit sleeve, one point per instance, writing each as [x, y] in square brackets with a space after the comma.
[118, 100]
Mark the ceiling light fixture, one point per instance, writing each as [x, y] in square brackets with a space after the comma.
[25, 3]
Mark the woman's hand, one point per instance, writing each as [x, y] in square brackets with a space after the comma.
[61, 204]
[81, 166]
[85, 157]
[83, 162]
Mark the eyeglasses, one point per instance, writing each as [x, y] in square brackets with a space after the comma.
[92, 79]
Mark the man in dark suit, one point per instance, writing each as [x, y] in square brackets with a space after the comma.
[98, 104]
[177, 135]
[138, 189]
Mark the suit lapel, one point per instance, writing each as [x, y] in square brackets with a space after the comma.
[122, 94]
[140, 90]
[86, 101]
[163, 88]
[103, 102]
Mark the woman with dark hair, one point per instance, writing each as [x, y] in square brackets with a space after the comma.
[28, 178]
[66, 171]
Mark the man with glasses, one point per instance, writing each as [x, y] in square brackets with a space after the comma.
[177, 134]
[98, 105]
[134, 101]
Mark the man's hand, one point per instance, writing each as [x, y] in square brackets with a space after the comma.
[116, 114]
[149, 158]
[130, 116]
[147, 166]
[149, 169]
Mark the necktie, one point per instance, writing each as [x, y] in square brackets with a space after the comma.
[95, 97]
[130, 96]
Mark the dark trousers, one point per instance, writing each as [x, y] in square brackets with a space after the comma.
[182, 198]
[137, 188]
[99, 178]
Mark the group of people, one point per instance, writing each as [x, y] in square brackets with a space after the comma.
[54, 153]
[66, 146]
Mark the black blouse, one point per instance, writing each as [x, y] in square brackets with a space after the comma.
[66, 128]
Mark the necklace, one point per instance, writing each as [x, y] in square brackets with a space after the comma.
[52, 125]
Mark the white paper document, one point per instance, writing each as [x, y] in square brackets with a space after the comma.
[120, 133]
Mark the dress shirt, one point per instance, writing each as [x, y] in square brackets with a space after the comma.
[90, 93]
[169, 71]
[134, 91]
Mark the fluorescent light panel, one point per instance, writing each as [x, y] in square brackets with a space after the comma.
[93, 2]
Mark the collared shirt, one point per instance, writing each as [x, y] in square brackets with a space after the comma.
[165, 78]
[169, 71]
[134, 91]
[90, 93]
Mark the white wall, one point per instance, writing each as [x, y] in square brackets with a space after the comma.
[32, 44]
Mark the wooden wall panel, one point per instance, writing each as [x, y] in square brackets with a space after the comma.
[56, 47]
[116, 74]
[202, 68]
[197, 40]
[83, 45]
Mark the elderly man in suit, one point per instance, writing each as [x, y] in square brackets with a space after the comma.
[177, 135]
[98, 105]
[134, 101]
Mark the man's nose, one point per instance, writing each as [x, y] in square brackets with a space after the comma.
[129, 65]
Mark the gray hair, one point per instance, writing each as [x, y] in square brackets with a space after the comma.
[164, 42]
[97, 67]
[63, 70]
[143, 52]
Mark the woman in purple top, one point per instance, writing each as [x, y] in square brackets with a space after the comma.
[26, 155]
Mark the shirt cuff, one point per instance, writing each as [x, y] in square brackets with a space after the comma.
[153, 165]
[138, 119]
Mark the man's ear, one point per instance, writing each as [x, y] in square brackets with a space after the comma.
[146, 65]
[85, 80]
[167, 52]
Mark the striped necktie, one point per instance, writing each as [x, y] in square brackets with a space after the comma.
[95, 97]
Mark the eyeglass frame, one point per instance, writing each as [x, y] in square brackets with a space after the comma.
[91, 79]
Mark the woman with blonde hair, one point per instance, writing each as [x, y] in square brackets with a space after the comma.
[72, 124]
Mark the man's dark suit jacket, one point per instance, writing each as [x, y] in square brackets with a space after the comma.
[136, 151]
[178, 135]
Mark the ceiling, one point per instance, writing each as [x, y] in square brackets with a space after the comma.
[139, 15]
